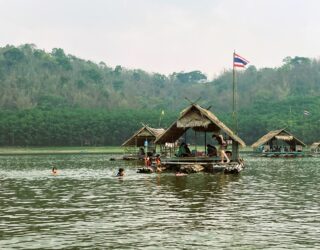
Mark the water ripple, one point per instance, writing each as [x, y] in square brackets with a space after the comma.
[273, 204]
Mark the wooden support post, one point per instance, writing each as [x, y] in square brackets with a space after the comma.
[235, 150]
[205, 143]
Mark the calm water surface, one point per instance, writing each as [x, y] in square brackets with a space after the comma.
[272, 204]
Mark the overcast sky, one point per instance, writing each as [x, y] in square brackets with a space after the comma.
[167, 36]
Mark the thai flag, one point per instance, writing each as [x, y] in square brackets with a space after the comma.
[306, 112]
[239, 61]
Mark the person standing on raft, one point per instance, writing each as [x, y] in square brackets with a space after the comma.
[222, 147]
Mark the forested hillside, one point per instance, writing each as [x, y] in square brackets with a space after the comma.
[58, 99]
[32, 78]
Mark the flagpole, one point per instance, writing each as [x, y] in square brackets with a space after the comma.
[234, 115]
[235, 146]
[162, 114]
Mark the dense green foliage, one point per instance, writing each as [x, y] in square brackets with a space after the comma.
[59, 99]
[263, 117]
[60, 127]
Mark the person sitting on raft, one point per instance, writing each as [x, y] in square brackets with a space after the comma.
[120, 172]
[158, 164]
[147, 162]
[211, 150]
[158, 160]
[141, 153]
[184, 150]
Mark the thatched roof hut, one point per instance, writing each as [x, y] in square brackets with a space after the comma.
[199, 119]
[280, 135]
[315, 147]
[144, 133]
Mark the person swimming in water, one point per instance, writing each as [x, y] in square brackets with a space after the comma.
[120, 172]
[54, 171]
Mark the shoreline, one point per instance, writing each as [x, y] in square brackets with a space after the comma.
[7, 151]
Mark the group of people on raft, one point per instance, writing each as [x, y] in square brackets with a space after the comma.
[157, 165]
[184, 151]
[149, 167]
[212, 151]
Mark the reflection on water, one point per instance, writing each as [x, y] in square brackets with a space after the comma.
[273, 204]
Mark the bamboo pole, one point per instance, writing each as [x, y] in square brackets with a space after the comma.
[234, 98]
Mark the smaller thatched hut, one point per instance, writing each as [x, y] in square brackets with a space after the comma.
[279, 143]
[315, 148]
[135, 147]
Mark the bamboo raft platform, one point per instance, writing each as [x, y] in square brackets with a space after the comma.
[189, 165]
[283, 154]
[209, 165]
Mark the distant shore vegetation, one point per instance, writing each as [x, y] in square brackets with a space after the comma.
[56, 99]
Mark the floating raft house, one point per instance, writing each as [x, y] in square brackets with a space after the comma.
[279, 143]
[201, 120]
[315, 148]
[134, 145]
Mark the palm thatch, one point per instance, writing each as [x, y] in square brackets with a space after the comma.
[315, 145]
[199, 119]
[280, 134]
[144, 133]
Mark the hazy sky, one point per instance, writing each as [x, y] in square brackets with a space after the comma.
[167, 35]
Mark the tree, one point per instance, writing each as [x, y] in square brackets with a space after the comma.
[13, 56]
[61, 58]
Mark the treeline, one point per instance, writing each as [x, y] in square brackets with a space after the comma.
[99, 127]
[75, 127]
[53, 98]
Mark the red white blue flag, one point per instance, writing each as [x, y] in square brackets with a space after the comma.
[239, 61]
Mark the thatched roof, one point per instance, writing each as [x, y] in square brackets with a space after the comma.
[280, 134]
[146, 132]
[315, 145]
[199, 119]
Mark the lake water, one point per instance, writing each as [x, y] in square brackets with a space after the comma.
[272, 204]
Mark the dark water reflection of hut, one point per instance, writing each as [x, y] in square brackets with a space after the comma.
[200, 187]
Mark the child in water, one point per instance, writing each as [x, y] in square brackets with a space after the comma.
[54, 171]
[120, 172]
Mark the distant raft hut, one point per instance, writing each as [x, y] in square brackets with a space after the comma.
[200, 120]
[141, 143]
[279, 143]
[315, 148]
